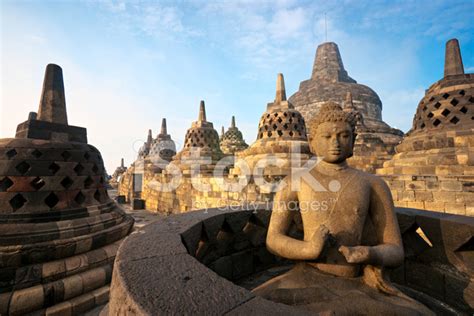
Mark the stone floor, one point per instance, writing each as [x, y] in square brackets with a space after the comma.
[142, 217]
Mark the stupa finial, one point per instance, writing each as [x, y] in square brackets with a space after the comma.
[52, 107]
[453, 60]
[202, 112]
[280, 89]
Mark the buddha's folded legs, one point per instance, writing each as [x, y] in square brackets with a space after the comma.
[308, 288]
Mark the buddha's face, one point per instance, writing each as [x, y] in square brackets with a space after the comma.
[333, 141]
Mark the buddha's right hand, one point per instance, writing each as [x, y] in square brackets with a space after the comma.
[317, 241]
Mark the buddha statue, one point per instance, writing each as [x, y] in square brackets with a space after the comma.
[350, 231]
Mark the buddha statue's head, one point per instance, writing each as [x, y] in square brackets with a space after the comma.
[332, 133]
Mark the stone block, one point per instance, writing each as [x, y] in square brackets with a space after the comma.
[242, 264]
[416, 204]
[82, 304]
[61, 309]
[27, 300]
[223, 267]
[465, 197]
[73, 286]
[101, 296]
[444, 196]
[451, 186]
[456, 208]
[120, 199]
[417, 275]
[425, 196]
[459, 293]
[138, 204]
[415, 185]
[408, 195]
[435, 206]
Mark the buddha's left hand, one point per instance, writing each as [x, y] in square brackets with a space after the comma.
[357, 254]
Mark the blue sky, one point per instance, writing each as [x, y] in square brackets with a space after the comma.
[127, 64]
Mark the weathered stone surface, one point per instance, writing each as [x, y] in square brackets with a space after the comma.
[436, 150]
[330, 82]
[155, 258]
[58, 225]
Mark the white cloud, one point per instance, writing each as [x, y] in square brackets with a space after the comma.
[150, 18]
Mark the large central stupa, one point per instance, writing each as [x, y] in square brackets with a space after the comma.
[331, 82]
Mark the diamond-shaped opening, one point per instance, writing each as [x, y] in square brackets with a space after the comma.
[463, 110]
[431, 99]
[462, 92]
[467, 246]
[274, 126]
[280, 120]
[446, 95]
[37, 183]
[36, 153]
[291, 133]
[78, 169]
[269, 134]
[424, 108]
[11, 153]
[87, 156]
[95, 168]
[436, 122]
[422, 234]
[97, 195]
[471, 99]
[17, 202]
[437, 105]
[54, 168]
[275, 114]
[285, 126]
[66, 155]
[5, 184]
[415, 241]
[430, 115]
[445, 112]
[290, 120]
[422, 125]
[454, 120]
[67, 182]
[454, 102]
[80, 198]
[23, 167]
[51, 200]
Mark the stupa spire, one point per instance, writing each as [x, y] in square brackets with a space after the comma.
[202, 112]
[453, 60]
[280, 89]
[328, 64]
[122, 165]
[232, 124]
[222, 131]
[52, 106]
[149, 139]
[164, 130]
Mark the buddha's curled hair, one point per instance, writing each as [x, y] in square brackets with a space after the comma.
[333, 112]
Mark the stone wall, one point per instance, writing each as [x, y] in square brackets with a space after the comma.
[200, 254]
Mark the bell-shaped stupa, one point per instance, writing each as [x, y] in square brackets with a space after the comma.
[232, 140]
[281, 135]
[331, 82]
[201, 145]
[434, 165]
[59, 230]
